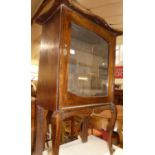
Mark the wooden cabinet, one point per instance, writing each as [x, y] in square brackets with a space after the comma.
[75, 69]
[118, 97]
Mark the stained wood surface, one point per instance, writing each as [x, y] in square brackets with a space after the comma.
[52, 94]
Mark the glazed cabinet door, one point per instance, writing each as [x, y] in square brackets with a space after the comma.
[87, 61]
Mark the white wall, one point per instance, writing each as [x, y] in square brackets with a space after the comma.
[119, 57]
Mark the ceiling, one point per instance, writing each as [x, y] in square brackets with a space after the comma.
[110, 10]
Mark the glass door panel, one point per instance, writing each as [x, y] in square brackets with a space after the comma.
[88, 63]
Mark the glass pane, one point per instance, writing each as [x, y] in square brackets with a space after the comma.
[88, 63]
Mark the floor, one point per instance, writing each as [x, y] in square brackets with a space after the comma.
[94, 146]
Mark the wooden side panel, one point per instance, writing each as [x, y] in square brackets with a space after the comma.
[47, 96]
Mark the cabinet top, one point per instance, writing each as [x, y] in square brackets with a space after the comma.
[73, 6]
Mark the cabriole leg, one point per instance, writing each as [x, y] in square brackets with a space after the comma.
[84, 130]
[56, 132]
[111, 127]
[40, 130]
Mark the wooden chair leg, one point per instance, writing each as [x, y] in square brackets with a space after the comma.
[56, 132]
[72, 126]
[40, 130]
[111, 127]
[84, 130]
[33, 127]
[48, 122]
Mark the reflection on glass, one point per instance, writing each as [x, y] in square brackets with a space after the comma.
[88, 63]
